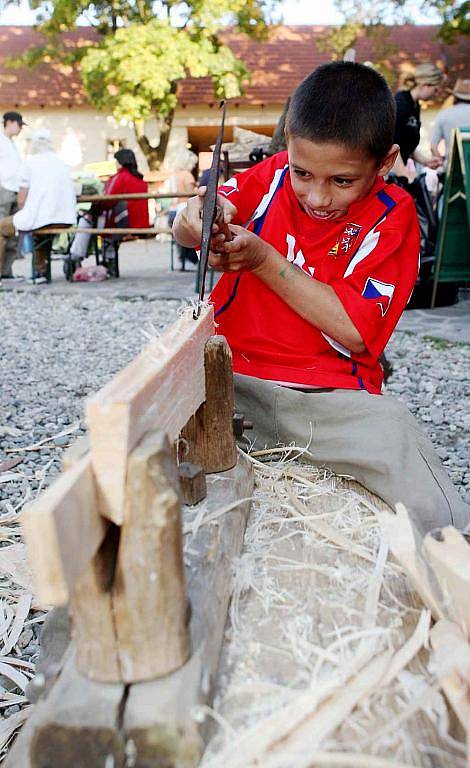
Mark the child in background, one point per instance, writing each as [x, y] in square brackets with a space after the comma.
[322, 261]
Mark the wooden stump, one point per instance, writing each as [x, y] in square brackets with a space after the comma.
[208, 439]
[129, 607]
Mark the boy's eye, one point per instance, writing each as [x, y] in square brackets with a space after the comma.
[302, 174]
[342, 182]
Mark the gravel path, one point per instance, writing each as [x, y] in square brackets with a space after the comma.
[57, 350]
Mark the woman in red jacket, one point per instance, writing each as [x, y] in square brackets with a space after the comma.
[124, 213]
[127, 179]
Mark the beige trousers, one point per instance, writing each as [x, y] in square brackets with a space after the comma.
[373, 438]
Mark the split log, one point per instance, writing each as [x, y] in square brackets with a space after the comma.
[208, 439]
[160, 389]
[129, 608]
[63, 517]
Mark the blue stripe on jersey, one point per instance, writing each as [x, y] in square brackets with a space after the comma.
[388, 202]
[258, 223]
[230, 298]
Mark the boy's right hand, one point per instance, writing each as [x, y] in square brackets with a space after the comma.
[187, 226]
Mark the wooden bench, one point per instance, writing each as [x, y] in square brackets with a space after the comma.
[133, 232]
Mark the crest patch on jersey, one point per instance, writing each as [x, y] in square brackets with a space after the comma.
[379, 292]
[229, 187]
[346, 241]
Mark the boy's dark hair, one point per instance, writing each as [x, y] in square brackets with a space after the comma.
[347, 103]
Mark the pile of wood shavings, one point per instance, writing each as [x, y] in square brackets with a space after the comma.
[325, 661]
[19, 611]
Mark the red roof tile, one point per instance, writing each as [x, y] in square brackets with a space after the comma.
[277, 65]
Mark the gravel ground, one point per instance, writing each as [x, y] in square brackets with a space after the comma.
[57, 350]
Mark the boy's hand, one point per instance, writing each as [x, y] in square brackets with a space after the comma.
[188, 222]
[245, 251]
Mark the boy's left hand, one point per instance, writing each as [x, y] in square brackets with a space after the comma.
[245, 251]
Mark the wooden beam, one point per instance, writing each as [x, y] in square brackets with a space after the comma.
[160, 389]
[63, 530]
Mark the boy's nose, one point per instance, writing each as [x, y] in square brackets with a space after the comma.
[318, 197]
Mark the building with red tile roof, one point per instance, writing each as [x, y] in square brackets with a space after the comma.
[52, 93]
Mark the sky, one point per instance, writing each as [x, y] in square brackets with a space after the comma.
[294, 12]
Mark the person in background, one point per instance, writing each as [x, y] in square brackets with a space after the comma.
[46, 196]
[182, 180]
[456, 116]
[10, 162]
[423, 85]
[124, 213]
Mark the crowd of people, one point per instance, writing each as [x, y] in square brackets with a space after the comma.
[38, 192]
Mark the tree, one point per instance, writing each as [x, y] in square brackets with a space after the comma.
[145, 48]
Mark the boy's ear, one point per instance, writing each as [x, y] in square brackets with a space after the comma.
[389, 160]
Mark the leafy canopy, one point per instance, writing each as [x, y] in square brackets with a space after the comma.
[146, 47]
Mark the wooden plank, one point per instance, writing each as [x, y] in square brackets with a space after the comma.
[160, 389]
[208, 439]
[63, 529]
[159, 715]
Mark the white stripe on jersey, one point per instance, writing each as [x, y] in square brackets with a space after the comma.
[336, 345]
[268, 196]
[367, 246]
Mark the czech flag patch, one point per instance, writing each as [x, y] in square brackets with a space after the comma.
[228, 187]
[379, 292]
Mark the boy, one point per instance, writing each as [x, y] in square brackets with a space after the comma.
[322, 261]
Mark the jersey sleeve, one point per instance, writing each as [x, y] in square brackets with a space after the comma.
[246, 190]
[379, 279]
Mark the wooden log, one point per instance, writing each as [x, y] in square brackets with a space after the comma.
[159, 716]
[65, 515]
[208, 439]
[149, 593]
[85, 723]
[160, 389]
[192, 483]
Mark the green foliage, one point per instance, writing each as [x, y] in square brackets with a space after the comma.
[133, 72]
[455, 18]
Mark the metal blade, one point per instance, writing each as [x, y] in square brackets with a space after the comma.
[209, 211]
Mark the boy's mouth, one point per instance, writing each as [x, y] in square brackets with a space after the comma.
[319, 215]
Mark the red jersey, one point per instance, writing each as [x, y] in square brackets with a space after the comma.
[370, 258]
[137, 210]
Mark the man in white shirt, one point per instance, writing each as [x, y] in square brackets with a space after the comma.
[457, 116]
[46, 196]
[10, 162]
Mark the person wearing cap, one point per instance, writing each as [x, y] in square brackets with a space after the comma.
[46, 196]
[423, 85]
[456, 116]
[10, 162]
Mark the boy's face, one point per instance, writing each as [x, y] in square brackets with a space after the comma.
[328, 177]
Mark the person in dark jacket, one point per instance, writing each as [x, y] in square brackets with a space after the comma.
[423, 85]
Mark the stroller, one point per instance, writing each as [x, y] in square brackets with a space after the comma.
[426, 208]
